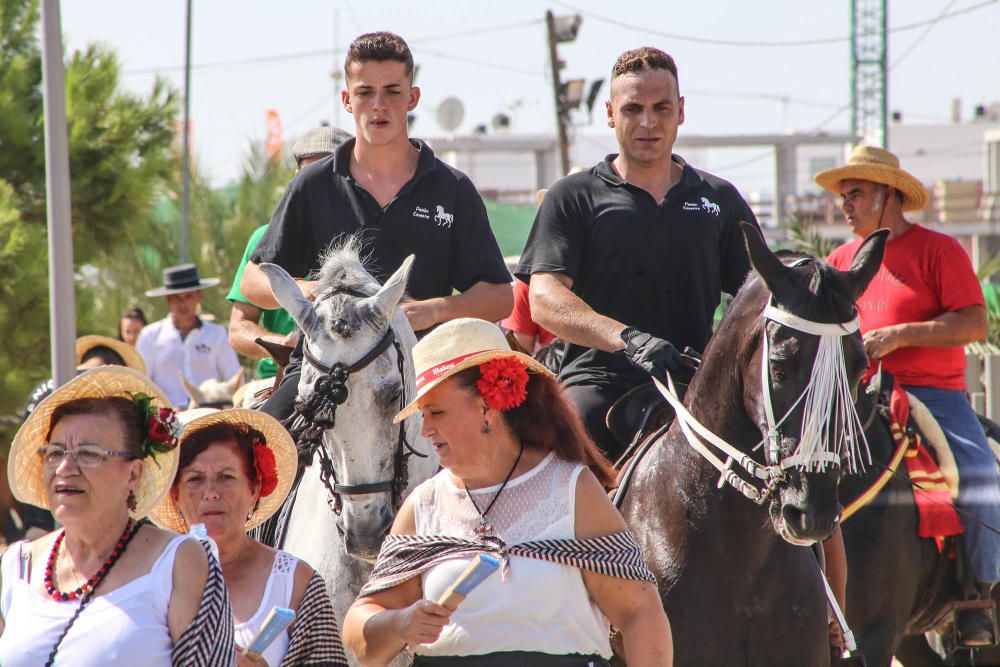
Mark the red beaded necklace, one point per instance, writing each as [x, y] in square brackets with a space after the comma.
[88, 585]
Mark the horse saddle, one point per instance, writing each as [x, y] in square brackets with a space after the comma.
[639, 412]
[253, 394]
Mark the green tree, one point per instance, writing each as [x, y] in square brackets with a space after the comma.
[121, 162]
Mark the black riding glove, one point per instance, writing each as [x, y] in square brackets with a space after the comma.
[651, 354]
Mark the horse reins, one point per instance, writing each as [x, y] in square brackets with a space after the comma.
[317, 413]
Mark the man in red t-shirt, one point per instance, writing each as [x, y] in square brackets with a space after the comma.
[923, 305]
[528, 333]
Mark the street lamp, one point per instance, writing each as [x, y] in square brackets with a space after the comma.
[563, 29]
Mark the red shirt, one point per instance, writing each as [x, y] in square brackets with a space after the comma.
[924, 274]
[520, 318]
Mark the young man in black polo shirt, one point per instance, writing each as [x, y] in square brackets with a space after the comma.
[393, 194]
[627, 261]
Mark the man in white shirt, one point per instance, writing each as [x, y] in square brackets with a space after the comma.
[182, 343]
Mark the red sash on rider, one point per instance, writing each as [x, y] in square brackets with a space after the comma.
[935, 508]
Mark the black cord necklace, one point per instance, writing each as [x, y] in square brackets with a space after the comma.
[485, 529]
[88, 594]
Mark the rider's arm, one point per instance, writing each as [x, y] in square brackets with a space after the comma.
[952, 329]
[487, 301]
[555, 307]
[257, 289]
[244, 328]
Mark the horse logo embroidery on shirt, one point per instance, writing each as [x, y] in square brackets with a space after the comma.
[442, 218]
[203, 348]
[710, 206]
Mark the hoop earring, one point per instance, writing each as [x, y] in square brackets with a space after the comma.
[485, 428]
[130, 502]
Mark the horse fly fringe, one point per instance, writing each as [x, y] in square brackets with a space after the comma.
[830, 423]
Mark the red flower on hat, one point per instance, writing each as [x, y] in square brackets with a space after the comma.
[162, 427]
[266, 467]
[503, 383]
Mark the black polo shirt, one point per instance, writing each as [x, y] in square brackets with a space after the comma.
[660, 267]
[437, 216]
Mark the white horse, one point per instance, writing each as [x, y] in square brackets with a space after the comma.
[444, 219]
[354, 325]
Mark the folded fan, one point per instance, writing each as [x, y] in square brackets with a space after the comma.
[482, 566]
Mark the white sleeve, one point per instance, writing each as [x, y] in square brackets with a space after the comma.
[229, 363]
[144, 346]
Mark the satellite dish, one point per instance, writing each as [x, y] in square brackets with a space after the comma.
[450, 113]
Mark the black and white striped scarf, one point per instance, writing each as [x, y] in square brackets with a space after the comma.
[406, 556]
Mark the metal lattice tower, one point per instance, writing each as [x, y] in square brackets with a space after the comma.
[869, 71]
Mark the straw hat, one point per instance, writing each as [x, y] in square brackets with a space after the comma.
[24, 469]
[168, 515]
[455, 346]
[869, 163]
[129, 354]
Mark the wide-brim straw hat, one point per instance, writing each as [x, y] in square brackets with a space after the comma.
[129, 354]
[25, 472]
[870, 163]
[276, 437]
[455, 346]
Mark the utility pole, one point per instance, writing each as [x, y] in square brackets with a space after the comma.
[562, 141]
[869, 71]
[62, 300]
[186, 152]
[336, 73]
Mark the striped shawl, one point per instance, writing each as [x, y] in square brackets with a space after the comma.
[315, 636]
[208, 641]
[406, 556]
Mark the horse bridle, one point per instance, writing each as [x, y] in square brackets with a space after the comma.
[770, 475]
[316, 413]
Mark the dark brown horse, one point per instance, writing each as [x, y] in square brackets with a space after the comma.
[899, 585]
[735, 591]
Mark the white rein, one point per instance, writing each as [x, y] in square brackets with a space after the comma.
[827, 399]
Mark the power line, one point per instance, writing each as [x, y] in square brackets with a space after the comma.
[763, 44]
[921, 36]
[329, 52]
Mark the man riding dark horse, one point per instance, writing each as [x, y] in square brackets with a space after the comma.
[924, 304]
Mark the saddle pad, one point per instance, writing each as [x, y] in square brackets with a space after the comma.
[936, 515]
[935, 438]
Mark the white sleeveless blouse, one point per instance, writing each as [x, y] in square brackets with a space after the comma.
[542, 606]
[127, 626]
[277, 593]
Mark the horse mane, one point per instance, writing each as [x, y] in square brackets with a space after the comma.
[342, 269]
[341, 280]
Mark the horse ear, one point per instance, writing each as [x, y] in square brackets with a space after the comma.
[391, 293]
[193, 392]
[771, 269]
[866, 262]
[289, 296]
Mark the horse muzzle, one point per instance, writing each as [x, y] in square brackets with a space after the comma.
[363, 531]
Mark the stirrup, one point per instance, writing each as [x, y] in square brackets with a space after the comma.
[986, 609]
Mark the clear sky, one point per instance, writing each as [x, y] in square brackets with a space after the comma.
[738, 71]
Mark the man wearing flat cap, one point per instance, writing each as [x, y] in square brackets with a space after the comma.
[921, 308]
[248, 322]
[183, 343]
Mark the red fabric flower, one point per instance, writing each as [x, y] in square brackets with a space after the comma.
[267, 468]
[503, 383]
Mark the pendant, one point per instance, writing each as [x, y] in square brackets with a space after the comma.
[484, 529]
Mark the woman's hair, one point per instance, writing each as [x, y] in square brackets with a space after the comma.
[547, 420]
[133, 313]
[122, 409]
[243, 435]
[107, 356]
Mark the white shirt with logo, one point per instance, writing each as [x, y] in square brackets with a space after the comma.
[204, 354]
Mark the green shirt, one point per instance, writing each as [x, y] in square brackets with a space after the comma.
[276, 321]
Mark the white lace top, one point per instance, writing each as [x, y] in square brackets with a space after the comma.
[277, 593]
[541, 606]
